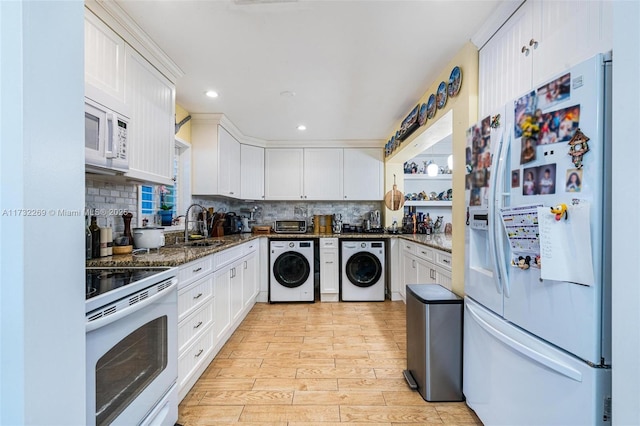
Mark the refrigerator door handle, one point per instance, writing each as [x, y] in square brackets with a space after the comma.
[526, 351]
[495, 195]
[498, 203]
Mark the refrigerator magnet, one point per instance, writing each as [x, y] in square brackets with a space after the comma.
[578, 147]
[560, 210]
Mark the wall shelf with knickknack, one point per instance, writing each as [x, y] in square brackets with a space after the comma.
[420, 188]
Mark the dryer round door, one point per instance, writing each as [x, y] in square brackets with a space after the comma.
[363, 269]
[291, 269]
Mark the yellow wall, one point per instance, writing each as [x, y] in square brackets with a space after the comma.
[465, 110]
[185, 130]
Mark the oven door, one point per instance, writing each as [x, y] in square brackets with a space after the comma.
[132, 362]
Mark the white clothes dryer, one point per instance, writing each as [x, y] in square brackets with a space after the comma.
[291, 276]
[363, 271]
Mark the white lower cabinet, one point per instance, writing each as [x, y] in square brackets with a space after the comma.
[250, 277]
[329, 270]
[424, 265]
[217, 293]
[191, 361]
[222, 284]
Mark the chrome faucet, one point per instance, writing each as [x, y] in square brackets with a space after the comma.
[202, 226]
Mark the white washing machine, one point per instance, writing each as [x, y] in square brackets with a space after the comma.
[291, 276]
[363, 277]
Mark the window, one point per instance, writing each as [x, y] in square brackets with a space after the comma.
[175, 198]
[157, 205]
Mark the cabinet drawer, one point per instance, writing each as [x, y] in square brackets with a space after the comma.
[425, 253]
[408, 247]
[193, 270]
[227, 256]
[194, 296]
[328, 243]
[193, 357]
[193, 326]
[443, 259]
[250, 247]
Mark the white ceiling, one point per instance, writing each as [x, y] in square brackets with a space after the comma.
[357, 67]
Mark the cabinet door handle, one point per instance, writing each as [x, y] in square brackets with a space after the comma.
[413, 263]
[301, 196]
[198, 324]
[447, 261]
[245, 264]
[198, 296]
[533, 43]
[199, 353]
[525, 50]
[328, 262]
[197, 270]
[423, 252]
[231, 193]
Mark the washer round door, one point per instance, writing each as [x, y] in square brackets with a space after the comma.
[363, 269]
[291, 269]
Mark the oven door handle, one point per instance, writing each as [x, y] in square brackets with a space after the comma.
[101, 322]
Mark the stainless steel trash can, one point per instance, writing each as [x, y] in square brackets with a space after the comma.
[434, 342]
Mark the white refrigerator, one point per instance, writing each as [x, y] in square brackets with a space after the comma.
[537, 339]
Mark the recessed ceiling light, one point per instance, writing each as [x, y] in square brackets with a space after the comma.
[212, 94]
[302, 127]
[288, 94]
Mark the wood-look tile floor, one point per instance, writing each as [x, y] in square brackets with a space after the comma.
[316, 364]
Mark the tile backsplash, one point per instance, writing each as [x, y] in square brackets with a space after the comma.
[110, 199]
[266, 212]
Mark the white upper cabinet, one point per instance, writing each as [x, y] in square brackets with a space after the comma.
[569, 32]
[540, 40]
[103, 62]
[120, 78]
[329, 174]
[251, 172]
[283, 174]
[363, 174]
[228, 164]
[504, 70]
[323, 173]
[215, 158]
[151, 99]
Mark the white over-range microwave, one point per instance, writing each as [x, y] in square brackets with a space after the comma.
[105, 138]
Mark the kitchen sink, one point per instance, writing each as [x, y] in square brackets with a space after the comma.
[197, 244]
[204, 243]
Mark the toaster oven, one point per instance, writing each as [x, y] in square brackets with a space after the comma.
[290, 227]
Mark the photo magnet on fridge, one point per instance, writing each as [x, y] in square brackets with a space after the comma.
[515, 178]
[574, 180]
[528, 153]
[554, 92]
[524, 109]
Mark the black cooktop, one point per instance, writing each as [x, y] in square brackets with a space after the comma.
[102, 280]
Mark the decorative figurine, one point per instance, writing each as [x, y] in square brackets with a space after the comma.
[578, 147]
[560, 210]
[524, 262]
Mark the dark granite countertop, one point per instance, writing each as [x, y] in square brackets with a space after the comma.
[177, 255]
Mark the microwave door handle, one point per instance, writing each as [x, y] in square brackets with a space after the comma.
[110, 149]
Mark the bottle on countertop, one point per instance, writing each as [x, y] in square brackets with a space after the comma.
[88, 238]
[109, 238]
[95, 238]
